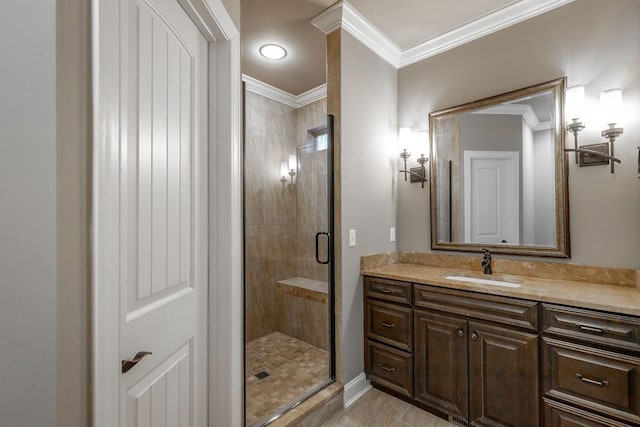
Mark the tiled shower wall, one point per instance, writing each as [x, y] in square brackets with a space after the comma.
[280, 224]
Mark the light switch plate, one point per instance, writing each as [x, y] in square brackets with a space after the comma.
[392, 234]
[352, 238]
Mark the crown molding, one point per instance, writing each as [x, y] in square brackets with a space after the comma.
[284, 97]
[343, 15]
[312, 95]
[268, 91]
[487, 24]
[330, 19]
[358, 26]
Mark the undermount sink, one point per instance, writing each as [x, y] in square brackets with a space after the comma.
[484, 281]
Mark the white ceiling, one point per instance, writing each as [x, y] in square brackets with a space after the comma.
[400, 31]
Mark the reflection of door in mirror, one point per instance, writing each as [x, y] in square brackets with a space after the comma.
[492, 197]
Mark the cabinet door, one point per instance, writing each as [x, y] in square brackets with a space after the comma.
[593, 379]
[503, 370]
[441, 368]
[558, 414]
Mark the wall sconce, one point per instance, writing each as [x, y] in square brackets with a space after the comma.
[418, 174]
[611, 102]
[611, 108]
[288, 169]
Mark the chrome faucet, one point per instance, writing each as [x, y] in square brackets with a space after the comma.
[486, 262]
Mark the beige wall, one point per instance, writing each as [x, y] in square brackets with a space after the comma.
[593, 43]
[368, 180]
[73, 209]
[28, 188]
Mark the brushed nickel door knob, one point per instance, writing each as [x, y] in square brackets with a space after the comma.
[130, 363]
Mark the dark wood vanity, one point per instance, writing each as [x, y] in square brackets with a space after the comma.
[491, 360]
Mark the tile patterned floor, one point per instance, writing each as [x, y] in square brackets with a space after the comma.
[378, 409]
[294, 367]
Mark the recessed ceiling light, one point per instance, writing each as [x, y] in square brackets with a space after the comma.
[273, 51]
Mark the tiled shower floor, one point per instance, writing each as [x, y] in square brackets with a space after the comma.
[293, 367]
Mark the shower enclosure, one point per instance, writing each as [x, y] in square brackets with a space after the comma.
[289, 345]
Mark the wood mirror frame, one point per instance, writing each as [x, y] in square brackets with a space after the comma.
[561, 248]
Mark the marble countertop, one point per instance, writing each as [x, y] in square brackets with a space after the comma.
[612, 298]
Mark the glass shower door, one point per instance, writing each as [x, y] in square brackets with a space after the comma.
[289, 345]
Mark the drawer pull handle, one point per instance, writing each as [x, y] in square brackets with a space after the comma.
[385, 291]
[602, 383]
[387, 325]
[591, 328]
[388, 369]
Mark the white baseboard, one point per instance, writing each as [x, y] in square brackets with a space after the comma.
[355, 388]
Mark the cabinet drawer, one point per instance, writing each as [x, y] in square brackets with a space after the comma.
[389, 290]
[509, 311]
[599, 380]
[560, 415]
[592, 326]
[389, 323]
[389, 367]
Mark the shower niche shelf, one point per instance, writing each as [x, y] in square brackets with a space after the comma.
[314, 290]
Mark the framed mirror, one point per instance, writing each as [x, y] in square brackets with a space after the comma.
[499, 174]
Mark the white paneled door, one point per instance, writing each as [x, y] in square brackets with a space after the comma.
[163, 216]
[492, 197]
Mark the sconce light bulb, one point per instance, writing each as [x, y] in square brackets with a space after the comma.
[575, 103]
[293, 164]
[611, 106]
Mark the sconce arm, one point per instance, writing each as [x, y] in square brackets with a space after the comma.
[417, 175]
[422, 175]
[594, 153]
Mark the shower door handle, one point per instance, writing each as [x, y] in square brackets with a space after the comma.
[318, 260]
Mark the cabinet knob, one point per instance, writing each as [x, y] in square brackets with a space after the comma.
[460, 332]
[474, 336]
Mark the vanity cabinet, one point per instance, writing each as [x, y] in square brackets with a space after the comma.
[476, 371]
[471, 356]
[591, 364]
[388, 320]
[486, 360]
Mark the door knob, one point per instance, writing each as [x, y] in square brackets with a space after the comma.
[130, 363]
